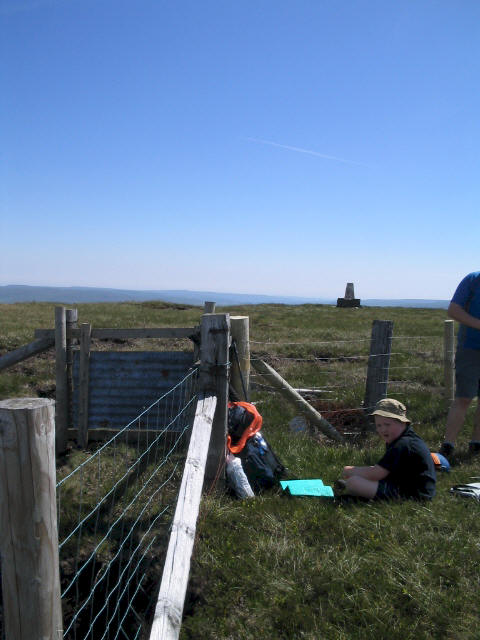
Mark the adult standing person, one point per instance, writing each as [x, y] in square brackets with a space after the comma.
[465, 309]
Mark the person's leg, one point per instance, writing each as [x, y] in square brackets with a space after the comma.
[456, 418]
[467, 377]
[357, 486]
[474, 444]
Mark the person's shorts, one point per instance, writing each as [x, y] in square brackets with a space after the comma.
[387, 491]
[467, 373]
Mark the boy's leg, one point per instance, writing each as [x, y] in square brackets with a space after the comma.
[357, 486]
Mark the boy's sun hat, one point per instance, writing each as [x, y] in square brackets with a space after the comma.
[390, 408]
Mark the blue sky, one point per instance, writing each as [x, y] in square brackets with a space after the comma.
[257, 146]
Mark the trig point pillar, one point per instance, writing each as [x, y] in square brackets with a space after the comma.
[349, 300]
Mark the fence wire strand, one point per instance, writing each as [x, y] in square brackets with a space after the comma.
[340, 377]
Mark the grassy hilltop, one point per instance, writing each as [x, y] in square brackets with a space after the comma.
[281, 568]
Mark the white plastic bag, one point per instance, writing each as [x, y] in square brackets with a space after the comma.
[237, 478]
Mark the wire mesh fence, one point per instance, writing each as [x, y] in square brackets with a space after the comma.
[114, 510]
[334, 372]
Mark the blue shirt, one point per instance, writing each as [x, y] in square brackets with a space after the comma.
[467, 296]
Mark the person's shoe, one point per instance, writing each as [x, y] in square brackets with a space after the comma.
[474, 447]
[339, 487]
[447, 450]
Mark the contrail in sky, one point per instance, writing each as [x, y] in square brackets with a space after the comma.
[300, 150]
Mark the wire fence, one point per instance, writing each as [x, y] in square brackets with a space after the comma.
[114, 512]
[334, 372]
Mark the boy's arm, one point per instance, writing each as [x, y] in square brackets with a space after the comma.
[375, 472]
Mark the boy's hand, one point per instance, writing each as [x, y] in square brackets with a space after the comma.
[347, 472]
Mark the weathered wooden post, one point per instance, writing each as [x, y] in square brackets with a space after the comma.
[28, 520]
[22, 353]
[449, 359]
[83, 383]
[61, 390]
[240, 378]
[209, 307]
[214, 375]
[288, 392]
[71, 318]
[378, 363]
[171, 597]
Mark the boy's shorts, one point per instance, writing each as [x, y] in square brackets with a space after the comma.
[467, 373]
[387, 491]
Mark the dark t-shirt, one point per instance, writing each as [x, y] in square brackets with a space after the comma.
[410, 465]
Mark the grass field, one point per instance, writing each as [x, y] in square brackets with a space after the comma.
[283, 568]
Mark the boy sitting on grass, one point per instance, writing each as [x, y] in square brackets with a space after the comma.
[405, 471]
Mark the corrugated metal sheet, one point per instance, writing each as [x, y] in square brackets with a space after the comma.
[124, 383]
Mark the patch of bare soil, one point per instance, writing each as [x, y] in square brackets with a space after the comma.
[351, 423]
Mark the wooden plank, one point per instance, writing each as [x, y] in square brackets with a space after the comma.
[169, 608]
[61, 387]
[273, 378]
[28, 520]
[214, 374]
[84, 378]
[126, 334]
[27, 351]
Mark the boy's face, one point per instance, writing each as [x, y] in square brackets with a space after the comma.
[389, 429]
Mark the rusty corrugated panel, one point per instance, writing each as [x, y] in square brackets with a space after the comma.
[124, 383]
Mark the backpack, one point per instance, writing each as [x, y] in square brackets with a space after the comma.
[262, 467]
[260, 464]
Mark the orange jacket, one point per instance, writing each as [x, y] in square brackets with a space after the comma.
[253, 428]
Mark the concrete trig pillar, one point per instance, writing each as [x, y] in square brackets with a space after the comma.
[349, 300]
[349, 294]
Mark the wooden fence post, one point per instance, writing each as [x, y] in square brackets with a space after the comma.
[240, 331]
[214, 374]
[28, 520]
[71, 318]
[61, 392]
[378, 363]
[83, 382]
[449, 359]
[209, 307]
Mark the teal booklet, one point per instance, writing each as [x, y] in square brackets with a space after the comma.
[313, 487]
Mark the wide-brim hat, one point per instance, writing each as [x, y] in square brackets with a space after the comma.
[390, 408]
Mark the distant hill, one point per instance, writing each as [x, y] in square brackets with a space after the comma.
[71, 295]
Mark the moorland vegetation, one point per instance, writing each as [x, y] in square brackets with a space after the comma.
[284, 568]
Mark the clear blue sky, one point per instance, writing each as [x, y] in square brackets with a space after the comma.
[256, 146]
